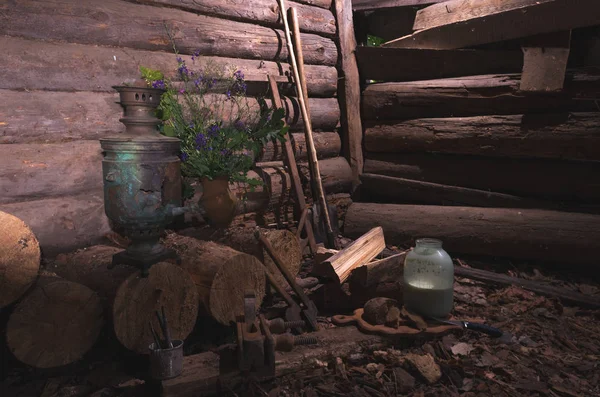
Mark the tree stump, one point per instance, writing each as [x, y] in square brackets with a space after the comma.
[222, 276]
[138, 298]
[56, 323]
[19, 258]
[283, 242]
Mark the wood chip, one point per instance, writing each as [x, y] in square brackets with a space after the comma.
[426, 366]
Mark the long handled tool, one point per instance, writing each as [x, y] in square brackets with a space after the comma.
[312, 154]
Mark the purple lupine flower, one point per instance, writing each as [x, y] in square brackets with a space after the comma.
[183, 70]
[211, 83]
[239, 125]
[228, 93]
[192, 126]
[184, 156]
[225, 152]
[239, 75]
[213, 130]
[179, 60]
[195, 55]
[200, 141]
[159, 84]
[182, 91]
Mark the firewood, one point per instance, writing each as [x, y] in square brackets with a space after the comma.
[19, 258]
[222, 276]
[55, 324]
[381, 278]
[358, 253]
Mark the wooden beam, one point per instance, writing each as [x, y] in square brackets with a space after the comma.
[349, 94]
[460, 23]
[390, 23]
[407, 64]
[545, 60]
[369, 5]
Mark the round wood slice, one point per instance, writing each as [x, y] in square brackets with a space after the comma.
[138, 299]
[56, 323]
[19, 258]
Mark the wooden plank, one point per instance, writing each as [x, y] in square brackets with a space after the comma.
[529, 234]
[47, 117]
[462, 23]
[573, 136]
[262, 12]
[39, 65]
[387, 189]
[110, 23]
[476, 95]
[557, 180]
[545, 60]
[407, 64]
[368, 5]
[350, 89]
[66, 223]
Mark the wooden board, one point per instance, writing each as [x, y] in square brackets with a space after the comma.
[573, 136]
[407, 64]
[528, 234]
[476, 95]
[262, 12]
[450, 25]
[388, 189]
[40, 65]
[545, 59]
[368, 5]
[51, 117]
[554, 179]
[111, 24]
[350, 89]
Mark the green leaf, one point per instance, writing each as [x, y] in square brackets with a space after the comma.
[168, 130]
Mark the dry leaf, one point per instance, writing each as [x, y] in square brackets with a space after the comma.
[462, 349]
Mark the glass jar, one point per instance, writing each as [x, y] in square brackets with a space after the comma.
[429, 279]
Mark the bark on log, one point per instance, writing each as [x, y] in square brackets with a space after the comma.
[262, 12]
[327, 144]
[388, 189]
[336, 175]
[474, 96]
[56, 323]
[138, 298]
[284, 242]
[19, 258]
[555, 136]
[110, 24]
[222, 275]
[64, 224]
[52, 117]
[554, 179]
[39, 65]
[515, 233]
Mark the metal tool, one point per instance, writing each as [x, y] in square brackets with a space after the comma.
[477, 327]
[309, 311]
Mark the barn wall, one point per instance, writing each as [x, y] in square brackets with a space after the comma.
[61, 58]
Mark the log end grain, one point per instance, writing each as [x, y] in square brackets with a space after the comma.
[55, 324]
[138, 298]
[19, 258]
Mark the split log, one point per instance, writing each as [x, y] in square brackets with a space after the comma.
[284, 243]
[451, 24]
[545, 59]
[388, 189]
[262, 12]
[56, 323]
[52, 117]
[358, 253]
[110, 24]
[555, 179]
[381, 278]
[222, 275]
[42, 67]
[327, 144]
[19, 258]
[556, 136]
[515, 233]
[474, 96]
[408, 64]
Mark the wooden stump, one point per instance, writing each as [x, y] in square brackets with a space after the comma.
[138, 298]
[283, 242]
[55, 324]
[19, 258]
[222, 275]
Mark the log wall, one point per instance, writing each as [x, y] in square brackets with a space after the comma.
[451, 128]
[56, 83]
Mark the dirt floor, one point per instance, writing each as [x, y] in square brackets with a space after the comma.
[552, 350]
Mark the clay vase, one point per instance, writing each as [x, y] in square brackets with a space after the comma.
[218, 201]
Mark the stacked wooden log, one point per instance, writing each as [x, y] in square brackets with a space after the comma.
[58, 97]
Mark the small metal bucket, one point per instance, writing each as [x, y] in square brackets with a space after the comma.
[166, 363]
